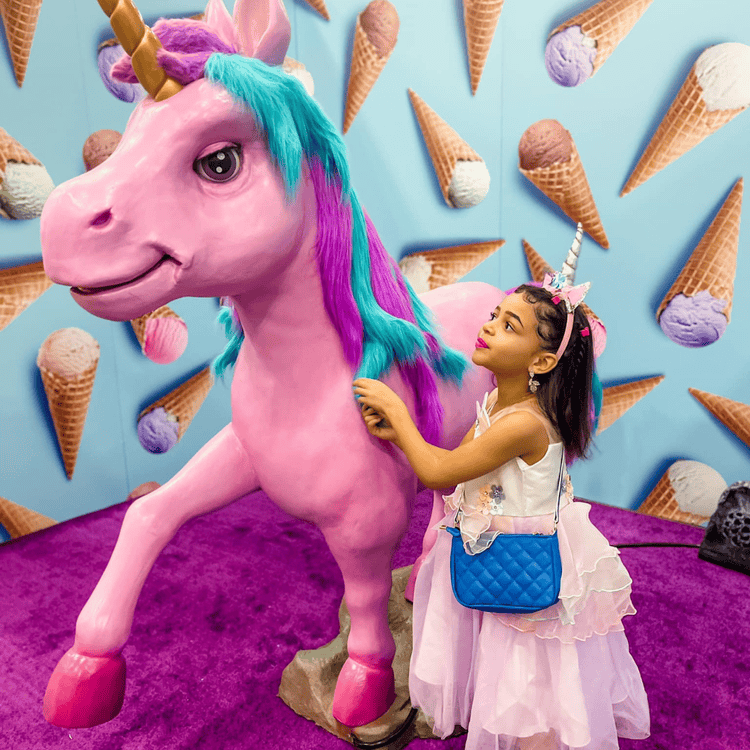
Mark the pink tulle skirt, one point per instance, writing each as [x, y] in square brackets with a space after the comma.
[559, 679]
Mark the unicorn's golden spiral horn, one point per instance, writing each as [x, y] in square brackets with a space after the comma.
[141, 44]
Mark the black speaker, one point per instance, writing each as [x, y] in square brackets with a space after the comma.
[727, 540]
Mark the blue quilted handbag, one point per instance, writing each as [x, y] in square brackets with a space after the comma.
[516, 573]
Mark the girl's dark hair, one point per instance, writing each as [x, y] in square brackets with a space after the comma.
[564, 393]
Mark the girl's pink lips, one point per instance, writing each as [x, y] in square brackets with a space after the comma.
[480, 344]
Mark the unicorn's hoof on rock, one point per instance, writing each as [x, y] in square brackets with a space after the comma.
[362, 693]
[85, 690]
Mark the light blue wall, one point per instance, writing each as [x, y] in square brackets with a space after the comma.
[611, 117]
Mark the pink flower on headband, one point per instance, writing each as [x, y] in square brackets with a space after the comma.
[557, 285]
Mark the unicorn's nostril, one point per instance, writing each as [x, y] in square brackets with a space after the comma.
[102, 219]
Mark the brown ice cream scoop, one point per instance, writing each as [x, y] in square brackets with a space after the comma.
[544, 143]
[99, 147]
[379, 21]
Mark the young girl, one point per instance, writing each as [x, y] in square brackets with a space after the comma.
[562, 677]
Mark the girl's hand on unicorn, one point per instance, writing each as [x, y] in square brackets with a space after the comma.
[377, 425]
[382, 409]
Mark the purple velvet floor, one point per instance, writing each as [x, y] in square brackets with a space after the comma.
[237, 593]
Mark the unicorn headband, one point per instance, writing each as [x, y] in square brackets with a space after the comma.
[560, 285]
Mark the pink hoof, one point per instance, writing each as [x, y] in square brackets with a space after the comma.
[409, 591]
[85, 690]
[362, 693]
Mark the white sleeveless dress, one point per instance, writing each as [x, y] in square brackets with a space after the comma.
[566, 670]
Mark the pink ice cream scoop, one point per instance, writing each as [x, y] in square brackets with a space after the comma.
[162, 334]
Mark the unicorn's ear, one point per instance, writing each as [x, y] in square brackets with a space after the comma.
[217, 17]
[263, 29]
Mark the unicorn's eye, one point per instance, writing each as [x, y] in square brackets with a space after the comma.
[220, 166]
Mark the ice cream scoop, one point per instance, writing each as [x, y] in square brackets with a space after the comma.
[375, 38]
[548, 158]
[162, 334]
[462, 174]
[108, 54]
[715, 91]
[301, 73]
[569, 56]
[67, 362]
[158, 431]
[578, 48]
[162, 425]
[25, 184]
[697, 308]
[543, 144]
[694, 321]
[688, 492]
[99, 146]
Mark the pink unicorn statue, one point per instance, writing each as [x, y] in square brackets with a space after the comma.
[230, 182]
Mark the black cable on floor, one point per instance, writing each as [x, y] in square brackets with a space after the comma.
[656, 544]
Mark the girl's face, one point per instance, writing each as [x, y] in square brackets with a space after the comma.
[508, 342]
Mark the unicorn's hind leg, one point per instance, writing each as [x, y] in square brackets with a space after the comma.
[365, 687]
[88, 684]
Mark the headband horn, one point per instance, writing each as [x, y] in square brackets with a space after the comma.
[141, 44]
[571, 262]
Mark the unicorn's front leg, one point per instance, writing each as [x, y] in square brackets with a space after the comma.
[88, 684]
[365, 687]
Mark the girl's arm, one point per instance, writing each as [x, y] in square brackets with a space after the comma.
[517, 435]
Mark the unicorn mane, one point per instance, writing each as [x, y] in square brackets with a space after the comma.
[378, 317]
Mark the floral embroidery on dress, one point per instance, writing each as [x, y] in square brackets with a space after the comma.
[490, 501]
[568, 488]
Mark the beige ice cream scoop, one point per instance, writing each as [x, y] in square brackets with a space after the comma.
[67, 362]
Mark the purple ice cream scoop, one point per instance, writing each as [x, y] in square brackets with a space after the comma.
[569, 57]
[157, 431]
[126, 92]
[694, 321]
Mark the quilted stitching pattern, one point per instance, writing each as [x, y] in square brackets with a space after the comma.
[517, 573]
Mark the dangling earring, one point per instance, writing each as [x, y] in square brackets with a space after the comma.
[533, 384]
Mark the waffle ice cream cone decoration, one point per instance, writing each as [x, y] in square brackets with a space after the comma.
[19, 18]
[374, 40]
[461, 172]
[578, 48]
[732, 414]
[162, 334]
[480, 22]
[24, 182]
[687, 492]
[19, 287]
[67, 362]
[162, 425]
[429, 269]
[696, 309]
[19, 521]
[548, 157]
[617, 399]
[320, 6]
[715, 91]
[538, 267]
